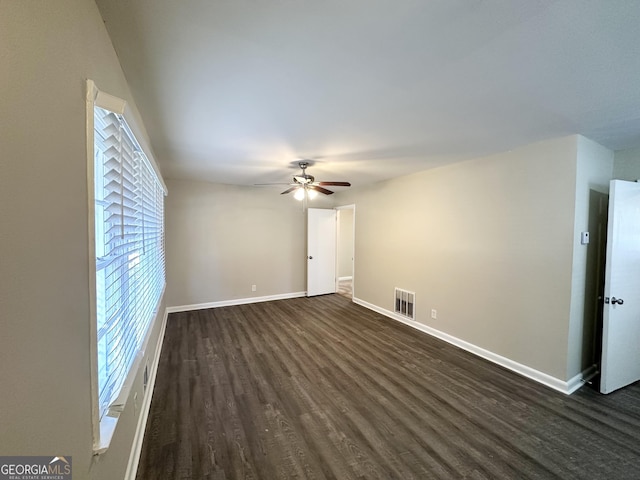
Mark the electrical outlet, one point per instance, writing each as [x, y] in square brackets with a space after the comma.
[434, 313]
[253, 288]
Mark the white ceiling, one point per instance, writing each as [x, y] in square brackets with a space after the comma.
[235, 91]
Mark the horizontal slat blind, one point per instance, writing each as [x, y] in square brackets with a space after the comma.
[130, 271]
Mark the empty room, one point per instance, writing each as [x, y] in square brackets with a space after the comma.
[331, 239]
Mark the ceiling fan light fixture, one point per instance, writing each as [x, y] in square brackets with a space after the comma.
[305, 186]
[301, 192]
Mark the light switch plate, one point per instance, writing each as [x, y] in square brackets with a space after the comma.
[584, 238]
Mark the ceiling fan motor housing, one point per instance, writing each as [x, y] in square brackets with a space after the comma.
[304, 178]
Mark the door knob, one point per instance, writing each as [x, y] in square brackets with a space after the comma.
[615, 300]
[310, 257]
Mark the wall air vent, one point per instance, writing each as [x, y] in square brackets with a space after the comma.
[405, 303]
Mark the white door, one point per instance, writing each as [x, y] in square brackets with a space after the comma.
[621, 315]
[321, 251]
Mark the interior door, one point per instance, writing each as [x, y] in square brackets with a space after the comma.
[621, 314]
[321, 251]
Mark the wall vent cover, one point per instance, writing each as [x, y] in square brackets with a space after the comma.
[405, 303]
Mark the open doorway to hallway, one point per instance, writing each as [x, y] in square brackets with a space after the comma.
[346, 242]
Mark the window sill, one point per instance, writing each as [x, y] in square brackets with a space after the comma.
[107, 428]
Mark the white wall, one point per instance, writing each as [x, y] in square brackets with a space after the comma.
[593, 174]
[488, 243]
[47, 51]
[222, 239]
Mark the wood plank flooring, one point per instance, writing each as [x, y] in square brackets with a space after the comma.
[321, 388]
[345, 288]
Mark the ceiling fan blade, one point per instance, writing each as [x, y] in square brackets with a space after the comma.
[335, 184]
[262, 184]
[289, 190]
[320, 189]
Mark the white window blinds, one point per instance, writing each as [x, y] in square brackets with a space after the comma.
[129, 233]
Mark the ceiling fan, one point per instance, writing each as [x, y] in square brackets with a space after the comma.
[305, 185]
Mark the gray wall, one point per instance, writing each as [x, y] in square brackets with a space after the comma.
[47, 51]
[222, 239]
[488, 243]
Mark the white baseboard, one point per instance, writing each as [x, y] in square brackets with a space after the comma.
[566, 387]
[136, 447]
[238, 301]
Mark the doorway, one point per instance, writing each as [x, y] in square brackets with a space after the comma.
[346, 251]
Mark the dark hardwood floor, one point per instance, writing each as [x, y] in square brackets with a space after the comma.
[315, 388]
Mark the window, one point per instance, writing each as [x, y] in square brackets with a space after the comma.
[129, 254]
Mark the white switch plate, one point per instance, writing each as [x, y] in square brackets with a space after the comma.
[584, 238]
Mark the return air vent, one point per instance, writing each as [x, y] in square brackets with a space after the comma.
[405, 303]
